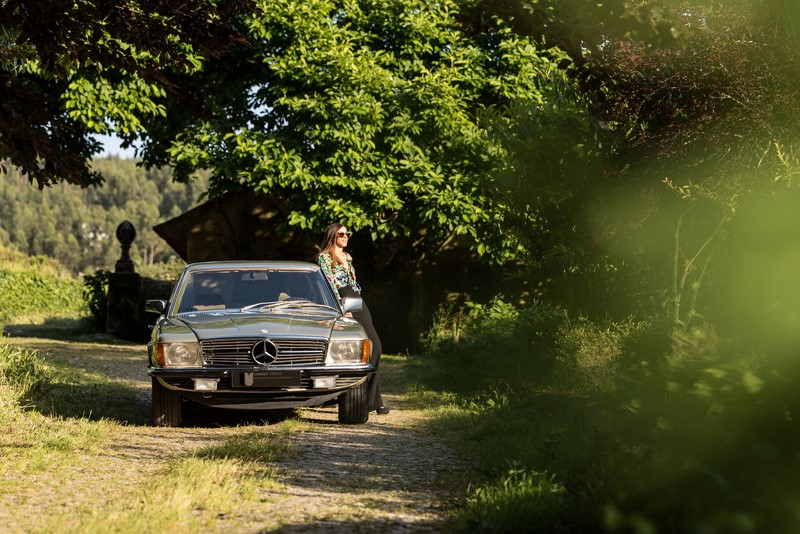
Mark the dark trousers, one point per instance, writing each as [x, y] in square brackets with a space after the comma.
[365, 318]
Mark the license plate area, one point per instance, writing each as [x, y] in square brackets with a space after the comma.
[266, 378]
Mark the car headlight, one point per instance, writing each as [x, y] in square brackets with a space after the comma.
[178, 355]
[348, 351]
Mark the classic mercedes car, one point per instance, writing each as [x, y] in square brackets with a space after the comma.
[257, 335]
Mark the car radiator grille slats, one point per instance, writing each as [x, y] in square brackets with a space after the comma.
[236, 352]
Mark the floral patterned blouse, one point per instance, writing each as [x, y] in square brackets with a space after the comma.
[338, 275]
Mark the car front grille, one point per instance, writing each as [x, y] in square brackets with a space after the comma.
[237, 351]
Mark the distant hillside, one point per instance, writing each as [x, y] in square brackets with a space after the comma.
[76, 226]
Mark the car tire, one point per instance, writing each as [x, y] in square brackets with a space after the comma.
[354, 405]
[166, 406]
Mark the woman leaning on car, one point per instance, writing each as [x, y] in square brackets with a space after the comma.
[338, 268]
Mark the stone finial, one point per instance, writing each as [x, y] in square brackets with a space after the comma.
[126, 233]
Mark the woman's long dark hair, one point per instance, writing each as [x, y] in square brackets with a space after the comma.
[330, 239]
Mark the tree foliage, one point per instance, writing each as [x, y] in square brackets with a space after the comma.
[361, 111]
[420, 122]
[71, 68]
[716, 104]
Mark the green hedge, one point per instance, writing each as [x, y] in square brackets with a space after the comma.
[35, 294]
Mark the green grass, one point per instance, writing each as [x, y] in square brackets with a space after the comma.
[58, 389]
[61, 424]
[520, 500]
[597, 426]
[32, 441]
[195, 493]
[252, 446]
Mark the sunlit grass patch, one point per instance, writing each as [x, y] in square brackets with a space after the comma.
[518, 501]
[191, 495]
[291, 426]
[32, 441]
[20, 371]
[254, 446]
[422, 397]
[73, 392]
[59, 389]
[218, 484]
[49, 446]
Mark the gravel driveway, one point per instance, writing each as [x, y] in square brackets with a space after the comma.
[389, 475]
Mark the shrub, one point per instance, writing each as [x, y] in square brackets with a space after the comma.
[639, 427]
[494, 342]
[95, 297]
[707, 429]
[169, 270]
[589, 354]
[38, 294]
[14, 260]
[35, 287]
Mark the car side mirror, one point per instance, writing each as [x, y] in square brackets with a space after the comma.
[352, 304]
[155, 306]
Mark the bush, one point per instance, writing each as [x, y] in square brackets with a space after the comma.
[639, 426]
[589, 354]
[35, 287]
[534, 345]
[38, 294]
[169, 270]
[95, 297]
[706, 429]
[14, 260]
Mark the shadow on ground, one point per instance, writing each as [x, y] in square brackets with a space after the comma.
[132, 406]
[61, 328]
[197, 416]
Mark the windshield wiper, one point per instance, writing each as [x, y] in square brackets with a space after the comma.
[290, 303]
[312, 304]
[271, 305]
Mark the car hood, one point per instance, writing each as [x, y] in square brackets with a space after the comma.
[208, 325]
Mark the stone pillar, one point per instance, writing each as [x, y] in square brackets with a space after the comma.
[126, 233]
[125, 314]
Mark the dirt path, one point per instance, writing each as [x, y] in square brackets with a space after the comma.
[389, 475]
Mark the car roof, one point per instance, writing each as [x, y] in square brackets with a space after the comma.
[253, 264]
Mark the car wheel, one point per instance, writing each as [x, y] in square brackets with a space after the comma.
[166, 405]
[354, 405]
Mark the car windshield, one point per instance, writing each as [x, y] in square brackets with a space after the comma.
[253, 289]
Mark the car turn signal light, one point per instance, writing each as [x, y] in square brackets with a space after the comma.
[366, 350]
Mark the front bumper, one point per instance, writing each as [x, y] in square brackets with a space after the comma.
[259, 387]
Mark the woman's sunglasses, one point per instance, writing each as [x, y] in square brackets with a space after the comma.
[344, 234]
